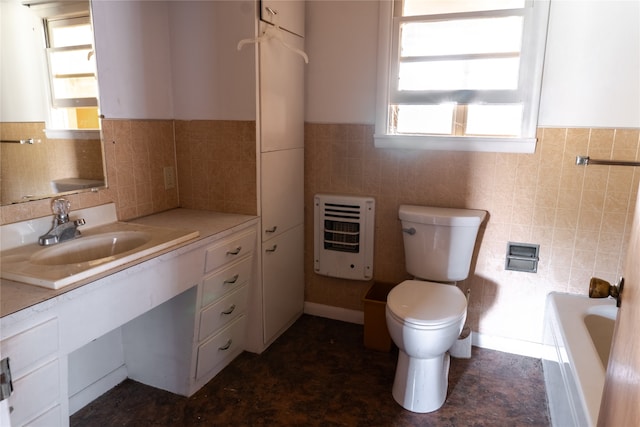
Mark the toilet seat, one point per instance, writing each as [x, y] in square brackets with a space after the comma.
[425, 305]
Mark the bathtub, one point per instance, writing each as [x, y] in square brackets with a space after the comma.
[577, 340]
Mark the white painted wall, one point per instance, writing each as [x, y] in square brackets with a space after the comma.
[161, 60]
[592, 66]
[342, 43]
[211, 78]
[591, 75]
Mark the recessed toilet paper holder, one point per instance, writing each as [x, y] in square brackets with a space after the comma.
[522, 257]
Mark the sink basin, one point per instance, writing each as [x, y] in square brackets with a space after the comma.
[96, 251]
[94, 248]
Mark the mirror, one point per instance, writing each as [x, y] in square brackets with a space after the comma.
[34, 163]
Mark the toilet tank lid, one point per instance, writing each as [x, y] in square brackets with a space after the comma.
[441, 216]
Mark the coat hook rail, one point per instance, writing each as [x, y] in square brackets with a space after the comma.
[585, 160]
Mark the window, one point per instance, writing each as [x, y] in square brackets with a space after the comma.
[71, 69]
[460, 74]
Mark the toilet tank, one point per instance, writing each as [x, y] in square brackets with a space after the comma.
[439, 242]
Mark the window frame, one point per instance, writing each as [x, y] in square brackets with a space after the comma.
[51, 23]
[529, 87]
[60, 10]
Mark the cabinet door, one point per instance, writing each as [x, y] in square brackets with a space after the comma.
[281, 94]
[287, 14]
[282, 191]
[282, 281]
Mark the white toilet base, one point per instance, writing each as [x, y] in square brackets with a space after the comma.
[420, 385]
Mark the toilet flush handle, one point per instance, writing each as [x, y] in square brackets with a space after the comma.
[411, 231]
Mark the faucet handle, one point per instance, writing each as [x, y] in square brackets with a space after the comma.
[60, 206]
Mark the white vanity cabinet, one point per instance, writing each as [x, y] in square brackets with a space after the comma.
[172, 321]
[223, 303]
[32, 347]
[207, 323]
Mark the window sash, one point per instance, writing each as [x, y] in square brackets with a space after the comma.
[462, 96]
[527, 94]
[71, 87]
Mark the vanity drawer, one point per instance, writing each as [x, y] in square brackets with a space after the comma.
[230, 249]
[34, 393]
[232, 277]
[222, 312]
[31, 346]
[222, 347]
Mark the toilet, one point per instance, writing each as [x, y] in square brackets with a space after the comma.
[425, 316]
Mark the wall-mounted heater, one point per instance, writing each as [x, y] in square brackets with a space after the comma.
[343, 236]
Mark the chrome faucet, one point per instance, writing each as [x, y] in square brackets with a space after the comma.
[63, 229]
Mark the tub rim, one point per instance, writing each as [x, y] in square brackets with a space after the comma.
[569, 311]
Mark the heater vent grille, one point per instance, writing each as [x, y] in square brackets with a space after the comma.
[343, 244]
[342, 227]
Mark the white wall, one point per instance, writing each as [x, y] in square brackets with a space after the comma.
[591, 75]
[592, 66]
[211, 79]
[178, 59]
[162, 60]
[342, 43]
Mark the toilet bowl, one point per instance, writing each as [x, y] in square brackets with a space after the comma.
[424, 320]
[425, 316]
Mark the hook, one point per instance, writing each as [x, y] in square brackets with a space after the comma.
[273, 31]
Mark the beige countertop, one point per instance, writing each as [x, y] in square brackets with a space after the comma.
[16, 296]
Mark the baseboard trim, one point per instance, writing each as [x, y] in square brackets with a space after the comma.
[335, 313]
[505, 345]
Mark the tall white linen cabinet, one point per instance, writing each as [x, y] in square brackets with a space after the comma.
[280, 140]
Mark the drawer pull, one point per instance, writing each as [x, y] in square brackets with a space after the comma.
[272, 249]
[271, 230]
[235, 252]
[231, 281]
[226, 346]
[229, 310]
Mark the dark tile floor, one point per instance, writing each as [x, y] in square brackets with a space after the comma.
[319, 374]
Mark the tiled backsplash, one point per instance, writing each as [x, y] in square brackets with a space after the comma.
[217, 165]
[28, 169]
[579, 215]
